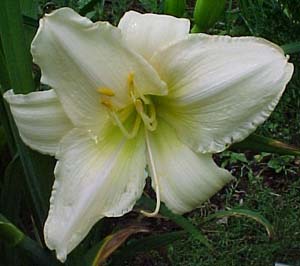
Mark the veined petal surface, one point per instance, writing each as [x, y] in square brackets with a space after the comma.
[220, 88]
[40, 119]
[186, 179]
[147, 33]
[93, 178]
[77, 57]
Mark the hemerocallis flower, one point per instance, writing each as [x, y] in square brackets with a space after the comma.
[143, 94]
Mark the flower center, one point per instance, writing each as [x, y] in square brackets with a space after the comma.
[144, 107]
[145, 111]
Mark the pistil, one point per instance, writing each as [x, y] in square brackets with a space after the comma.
[154, 176]
[145, 111]
[126, 133]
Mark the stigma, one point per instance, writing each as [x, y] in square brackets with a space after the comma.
[143, 106]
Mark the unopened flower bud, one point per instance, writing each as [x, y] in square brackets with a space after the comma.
[174, 7]
[207, 13]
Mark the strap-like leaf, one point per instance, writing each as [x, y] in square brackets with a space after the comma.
[29, 8]
[244, 213]
[31, 22]
[175, 7]
[178, 219]
[18, 65]
[4, 76]
[207, 13]
[18, 58]
[291, 48]
[10, 234]
[146, 244]
[6, 126]
[262, 144]
[11, 190]
[99, 253]
[89, 6]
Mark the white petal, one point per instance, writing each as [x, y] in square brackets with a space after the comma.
[93, 179]
[147, 33]
[221, 88]
[77, 57]
[186, 179]
[40, 119]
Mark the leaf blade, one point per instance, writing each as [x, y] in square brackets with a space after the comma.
[16, 238]
[263, 144]
[18, 58]
[146, 244]
[179, 220]
[291, 48]
[98, 254]
[244, 213]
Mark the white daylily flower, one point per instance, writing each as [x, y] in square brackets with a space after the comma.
[145, 93]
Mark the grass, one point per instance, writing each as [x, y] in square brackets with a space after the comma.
[240, 241]
[273, 192]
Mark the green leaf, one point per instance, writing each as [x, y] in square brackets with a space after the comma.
[4, 76]
[16, 238]
[2, 139]
[11, 191]
[87, 7]
[280, 163]
[100, 252]
[30, 22]
[291, 48]
[178, 219]
[9, 233]
[30, 8]
[145, 244]
[262, 144]
[4, 117]
[39, 175]
[207, 13]
[260, 2]
[174, 7]
[244, 213]
[5, 84]
[38, 171]
[17, 57]
[151, 6]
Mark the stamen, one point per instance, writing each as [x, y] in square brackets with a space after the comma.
[139, 106]
[134, 94]
[107, 103]
[145, 99]
[150, 125]
[130, 80]
[106, 91]
[155, 179]
[149, 121]
[119, 123]
[152, 112]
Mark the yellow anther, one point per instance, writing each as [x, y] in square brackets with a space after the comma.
[139, 106]
[106, 91]
[130, 79]
[107, 103]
